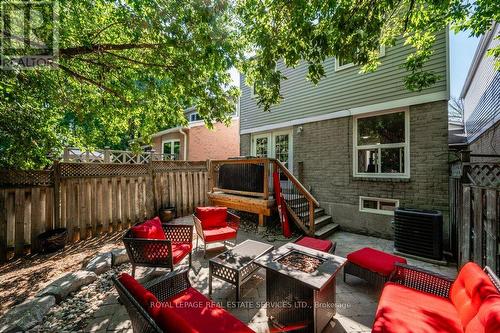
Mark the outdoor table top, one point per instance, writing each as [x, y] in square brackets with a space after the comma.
[324, 273]
[242, 254]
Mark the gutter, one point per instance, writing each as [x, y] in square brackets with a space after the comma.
[185, 143]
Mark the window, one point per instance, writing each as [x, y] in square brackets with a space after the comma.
[381, 145]
[194, 117]
[341, 63]
[171, 149]
[378, 205]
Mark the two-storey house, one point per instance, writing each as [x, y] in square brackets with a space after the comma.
[362, 143]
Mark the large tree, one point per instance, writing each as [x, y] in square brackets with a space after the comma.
[125, 69]
[311, 31]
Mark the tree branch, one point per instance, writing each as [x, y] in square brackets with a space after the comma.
[74, 51]
[138, 61]
[91, 81]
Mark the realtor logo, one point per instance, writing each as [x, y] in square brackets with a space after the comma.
[29, 34]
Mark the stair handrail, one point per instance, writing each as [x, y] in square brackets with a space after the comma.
[296, 182]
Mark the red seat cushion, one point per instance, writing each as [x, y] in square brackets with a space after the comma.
[180, 251]
[143, 296]
[471, 287]
[375, 260]
[219, 234]
[212, 217]
[405, 310]
[316, 244]
[150, 229]
[190, 311]
[487, 319]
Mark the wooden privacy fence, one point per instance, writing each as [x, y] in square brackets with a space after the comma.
[479, 237]
[90, 199]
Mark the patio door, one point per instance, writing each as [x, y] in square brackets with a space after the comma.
[276, 144]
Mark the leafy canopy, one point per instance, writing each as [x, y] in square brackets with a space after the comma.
[314, 30]
[128, 68]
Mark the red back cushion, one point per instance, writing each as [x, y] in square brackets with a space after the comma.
[212, 217]
[143, 296]
[487, 319]
[150, 229]
[469, 291]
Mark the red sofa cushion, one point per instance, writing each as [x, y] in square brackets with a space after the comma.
[405, 310]
[375, 260]
[156, 254]
[190, 311]
[471, 287]
[180, 251]
[487, 319]
[219, 234]
[150, 229]
[212, 217]
[316, 244]
[143, 296]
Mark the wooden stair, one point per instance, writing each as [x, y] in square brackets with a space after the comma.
[303, 207]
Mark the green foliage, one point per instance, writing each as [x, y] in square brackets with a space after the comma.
[126, 69]
[314, 30]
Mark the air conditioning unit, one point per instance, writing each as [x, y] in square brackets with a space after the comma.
[419, 232]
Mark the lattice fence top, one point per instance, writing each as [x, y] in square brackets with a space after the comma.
[166, 166]
[11, 178]
[75, 170]
[484, 174]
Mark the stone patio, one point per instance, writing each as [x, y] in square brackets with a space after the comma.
[356, 301]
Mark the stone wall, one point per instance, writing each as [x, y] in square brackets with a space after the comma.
[325, 149]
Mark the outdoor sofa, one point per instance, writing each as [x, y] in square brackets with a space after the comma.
[170, 304]
[416, 300]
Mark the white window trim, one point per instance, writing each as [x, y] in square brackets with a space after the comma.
[271, 147]
[171, 141]
[377, 211]
[406, 145]
[351, 64]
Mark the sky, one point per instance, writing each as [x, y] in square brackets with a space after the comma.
[462, 48]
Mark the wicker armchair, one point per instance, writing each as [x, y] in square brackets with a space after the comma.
[163, 288]
[159, 253]
[233, 223]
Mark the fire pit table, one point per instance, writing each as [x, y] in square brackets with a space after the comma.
[300, 287]
[236, 265]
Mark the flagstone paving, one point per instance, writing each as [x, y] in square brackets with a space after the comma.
[356, 300]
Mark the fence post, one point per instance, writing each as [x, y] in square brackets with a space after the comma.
[66, 154]
[57, 194]
[107, 155]
[3, 226]
[465, 234]
[151, 205]
[478, 225]
[491, 229]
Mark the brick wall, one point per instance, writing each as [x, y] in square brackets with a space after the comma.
[245, 144]
[325, 148]
[219, 143]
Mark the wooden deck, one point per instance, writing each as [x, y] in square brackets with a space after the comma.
[262, 207]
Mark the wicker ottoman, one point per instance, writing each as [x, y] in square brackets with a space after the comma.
[323, 245]
[371, 265]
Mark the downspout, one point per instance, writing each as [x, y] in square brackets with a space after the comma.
[185, 142]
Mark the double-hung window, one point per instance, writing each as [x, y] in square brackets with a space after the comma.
[381, 145]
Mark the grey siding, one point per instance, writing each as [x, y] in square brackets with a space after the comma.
[343, 89]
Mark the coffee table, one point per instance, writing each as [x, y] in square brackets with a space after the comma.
[237, 265]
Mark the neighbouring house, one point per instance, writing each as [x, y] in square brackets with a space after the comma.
[362, 143]
[481, 94]
[195, 142]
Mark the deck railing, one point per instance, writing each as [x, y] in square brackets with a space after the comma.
[253, 177]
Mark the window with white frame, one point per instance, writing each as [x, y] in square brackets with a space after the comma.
[171, 149]
[194, 116]
[381, 145]
[341, 63]
[378, 205]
